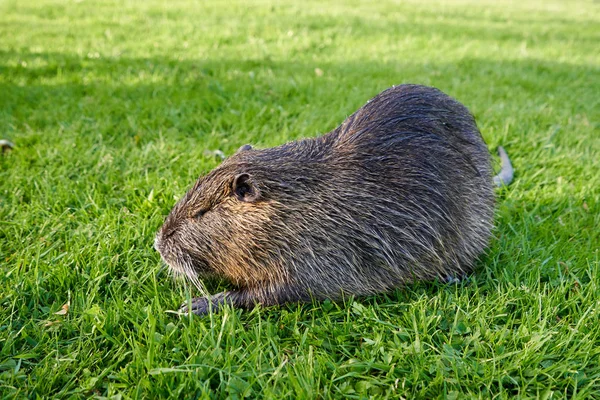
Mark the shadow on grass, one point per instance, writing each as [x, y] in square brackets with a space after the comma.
[151, 94]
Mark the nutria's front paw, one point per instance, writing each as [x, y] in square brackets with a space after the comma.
[203, 305]
[199, 306]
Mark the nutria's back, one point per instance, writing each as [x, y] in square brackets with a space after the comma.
[401, 191]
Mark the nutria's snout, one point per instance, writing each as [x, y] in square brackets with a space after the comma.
[165, 242]
[159, 245]
[159, 240]
[176, 258]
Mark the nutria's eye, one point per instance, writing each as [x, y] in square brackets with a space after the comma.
[244, 189]
[200, 213]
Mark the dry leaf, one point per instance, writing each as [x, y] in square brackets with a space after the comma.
[318, 72]
[585, 206]
[64, 310]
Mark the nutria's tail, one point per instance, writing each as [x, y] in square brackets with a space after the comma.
[505, 176]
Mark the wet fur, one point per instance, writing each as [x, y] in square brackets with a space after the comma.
[401, 191]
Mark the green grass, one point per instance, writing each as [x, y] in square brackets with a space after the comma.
[112, 107]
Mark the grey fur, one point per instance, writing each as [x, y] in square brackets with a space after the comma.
[401, 191]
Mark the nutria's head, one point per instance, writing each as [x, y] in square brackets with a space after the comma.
[223, 226]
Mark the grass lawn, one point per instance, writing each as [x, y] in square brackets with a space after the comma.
[114, 108]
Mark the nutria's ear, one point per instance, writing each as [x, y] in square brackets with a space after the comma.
[245, 189]
[245, 147]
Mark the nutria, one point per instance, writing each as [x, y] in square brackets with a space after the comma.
[401, 191]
